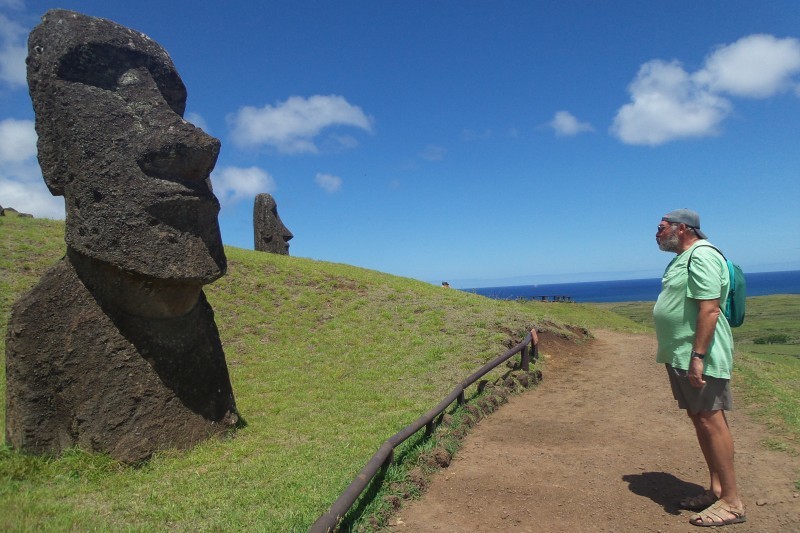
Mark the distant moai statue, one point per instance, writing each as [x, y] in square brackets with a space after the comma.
[116, 349]
[268, 230]
[10, 211]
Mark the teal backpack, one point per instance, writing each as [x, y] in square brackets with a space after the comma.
[735, 303]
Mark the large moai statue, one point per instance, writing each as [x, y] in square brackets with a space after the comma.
[268, 230]
[116, 349]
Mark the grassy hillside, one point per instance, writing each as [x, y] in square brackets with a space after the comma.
[326, 361]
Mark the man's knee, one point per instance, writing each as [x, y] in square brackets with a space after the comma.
[710, 420]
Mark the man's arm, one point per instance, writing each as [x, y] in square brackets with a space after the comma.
[707, 316]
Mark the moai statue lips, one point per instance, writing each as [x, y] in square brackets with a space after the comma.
[270, 233]
[109, 105]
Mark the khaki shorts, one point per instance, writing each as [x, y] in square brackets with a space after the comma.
[713, 396]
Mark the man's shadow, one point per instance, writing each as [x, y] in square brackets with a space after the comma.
[663, 488]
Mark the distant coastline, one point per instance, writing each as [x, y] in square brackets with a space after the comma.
[633, 290]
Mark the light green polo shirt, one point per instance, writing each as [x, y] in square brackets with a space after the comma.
[675, 312]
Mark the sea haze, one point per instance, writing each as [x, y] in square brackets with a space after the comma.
[633, 290]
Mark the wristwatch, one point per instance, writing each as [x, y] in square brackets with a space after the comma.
[698, 355]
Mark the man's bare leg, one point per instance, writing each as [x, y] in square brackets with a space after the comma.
[714, 484]
[716, 442]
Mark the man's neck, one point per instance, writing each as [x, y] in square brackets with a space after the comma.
[688, 242]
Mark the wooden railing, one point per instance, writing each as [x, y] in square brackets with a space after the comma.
[385, 454]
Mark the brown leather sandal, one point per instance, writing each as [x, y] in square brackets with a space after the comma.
[716, 513]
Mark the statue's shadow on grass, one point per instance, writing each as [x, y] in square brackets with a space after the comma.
[663, 488]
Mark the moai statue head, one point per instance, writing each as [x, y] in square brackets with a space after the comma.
[112, 140]
[116, 349]
[268, 229]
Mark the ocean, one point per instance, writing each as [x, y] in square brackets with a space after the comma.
[633, 290]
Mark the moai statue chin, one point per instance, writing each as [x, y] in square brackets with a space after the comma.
[268, 230]
[116, 349]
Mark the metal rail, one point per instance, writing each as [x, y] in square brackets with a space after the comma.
[385, 454]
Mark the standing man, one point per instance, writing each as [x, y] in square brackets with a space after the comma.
[696, 345]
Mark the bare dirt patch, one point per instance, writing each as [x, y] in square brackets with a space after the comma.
[599, 445]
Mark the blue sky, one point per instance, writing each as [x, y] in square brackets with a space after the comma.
[482, 143]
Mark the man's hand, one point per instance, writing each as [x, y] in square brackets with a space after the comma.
[696, 373]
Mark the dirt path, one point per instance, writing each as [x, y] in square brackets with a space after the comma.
[598, 446]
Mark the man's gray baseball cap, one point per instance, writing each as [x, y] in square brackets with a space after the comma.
[685, 216]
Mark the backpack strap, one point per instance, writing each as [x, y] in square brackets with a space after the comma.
[732, 282]
[689, 263]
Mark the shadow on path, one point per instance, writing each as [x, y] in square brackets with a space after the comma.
[664, 489]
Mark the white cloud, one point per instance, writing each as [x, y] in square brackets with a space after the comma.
[198, 120]
[292, 126]
[337, 143]
[469, 135]
[669, 103]
[433, 153]
[21, 183]
[17, 140]
[566, 125]
[756, 66]
[32, 198]
[12, 52]
[328, 182]
[232, 184]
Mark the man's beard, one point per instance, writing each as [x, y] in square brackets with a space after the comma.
[670, 244]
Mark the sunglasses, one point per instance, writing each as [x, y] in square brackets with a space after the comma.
[661, 228]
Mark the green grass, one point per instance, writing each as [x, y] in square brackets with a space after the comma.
[327, 361]
[588, 316]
